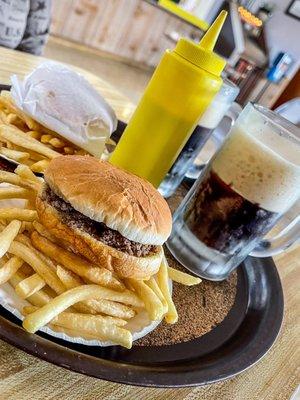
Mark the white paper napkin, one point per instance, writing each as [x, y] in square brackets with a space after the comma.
[64, 101]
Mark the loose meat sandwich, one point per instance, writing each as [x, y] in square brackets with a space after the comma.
[111, 217]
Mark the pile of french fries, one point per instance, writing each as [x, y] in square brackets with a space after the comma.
[25, 141]
[65, 291]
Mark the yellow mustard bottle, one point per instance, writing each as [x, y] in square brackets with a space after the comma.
[182, 86]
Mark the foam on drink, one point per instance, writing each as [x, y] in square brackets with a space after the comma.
[266, 173]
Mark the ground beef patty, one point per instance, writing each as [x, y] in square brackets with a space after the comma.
[97, 230]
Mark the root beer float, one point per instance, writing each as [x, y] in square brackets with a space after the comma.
[248, 185]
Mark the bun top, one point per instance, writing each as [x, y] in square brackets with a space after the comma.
[108, 194]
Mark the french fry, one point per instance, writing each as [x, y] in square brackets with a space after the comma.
[8, 235]
[46, 138]
[20, 138]
[82, 309]
[182, 277]
[25, 172]
[31, 123]
[6, 102]
[39, 166]
[26, 241]
[3, 260]
[26, 226]
[39, 266]
[171, 316]
[75, 333]
[12, 119]
[111, 308]
[29, 286]
[154, 286]
[3, 116]
[57, 143]
[14, 193]
[15, 179]
[19, 123]
[21, 214]
[3, 225]
[44, 315]
[51, 264]
[46, 259]
[17, 277]
[91, 324]
[70, 280]
[126, 297]
[76, 264]
[116, 321]
[19, 156]
[34, 134]
[39, 298]
[9, 269]
[35, 156]
[152, 303]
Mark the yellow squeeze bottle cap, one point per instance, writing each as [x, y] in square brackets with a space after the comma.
[202, 54]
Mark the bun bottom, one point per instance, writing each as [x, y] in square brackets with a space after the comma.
[80, 242]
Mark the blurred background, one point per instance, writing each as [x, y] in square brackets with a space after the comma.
[123, 40]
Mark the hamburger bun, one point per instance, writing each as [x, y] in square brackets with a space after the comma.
[108, 195]
[105, 193]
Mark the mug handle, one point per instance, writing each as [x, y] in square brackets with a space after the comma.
[232, 113]
[289, 235]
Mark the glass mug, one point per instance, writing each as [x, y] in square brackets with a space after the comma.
[252, 180]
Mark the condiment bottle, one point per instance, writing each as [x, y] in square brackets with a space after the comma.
[182, 86]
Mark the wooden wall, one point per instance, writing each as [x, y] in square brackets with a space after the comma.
[131, 29]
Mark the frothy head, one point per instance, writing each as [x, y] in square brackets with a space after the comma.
[261, 165]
